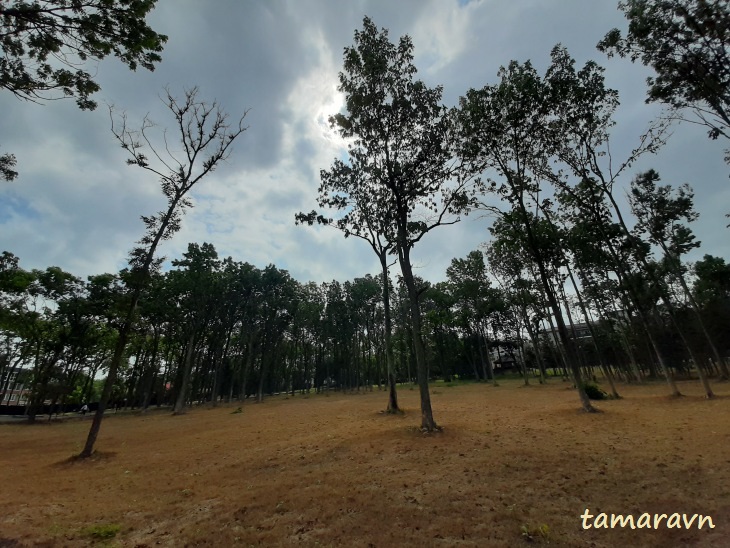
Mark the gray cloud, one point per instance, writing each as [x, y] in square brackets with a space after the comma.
[77, 205]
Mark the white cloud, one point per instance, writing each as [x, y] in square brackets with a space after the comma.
[443, 32]
[77, 205]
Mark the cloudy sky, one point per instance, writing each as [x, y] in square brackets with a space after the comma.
[77, 205]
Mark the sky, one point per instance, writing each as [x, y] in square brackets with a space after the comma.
[77, 205]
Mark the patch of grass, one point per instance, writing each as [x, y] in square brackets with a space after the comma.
[530, 533]
[238, 410]
[55, 529]
[102, 532]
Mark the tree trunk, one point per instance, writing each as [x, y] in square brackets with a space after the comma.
[536, 345]
[569, 348]
[150, 383]
[111, 377]
[719, 362]
[389, 357]
[427, 422]
[182, 393]
[262, 376]
[490, 366]
[593, 333]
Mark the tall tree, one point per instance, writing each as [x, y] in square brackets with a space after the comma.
[206, 137]
[712, 280]
[358, 216]
[476, 302]
[661, 214]
[196, 284]
[583, 110]
[506, 127]
[400, 145]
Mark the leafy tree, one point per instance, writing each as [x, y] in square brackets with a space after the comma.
[7, 163]
[476, 302]
[582, 115]
[685, 42]
[712, 292]
[440, 325]
[206, 138]
[401, 152]
[712, 281]
[358, 216]
[306, 332]
[660, 212]
[46, 43]
[521, 293]
[507, 127]
[195, 284]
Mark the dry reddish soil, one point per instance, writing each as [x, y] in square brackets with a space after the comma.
[514, 466]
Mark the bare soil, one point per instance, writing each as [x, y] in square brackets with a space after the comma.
[513, 466]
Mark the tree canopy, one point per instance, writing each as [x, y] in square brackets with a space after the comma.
[685, 42]
[46, 45]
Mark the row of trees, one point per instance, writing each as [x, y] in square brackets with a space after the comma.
[212, 330]
[517, 148]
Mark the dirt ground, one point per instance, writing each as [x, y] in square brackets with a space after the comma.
[514, 466]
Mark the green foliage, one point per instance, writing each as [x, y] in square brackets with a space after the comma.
[102, 532]
[400, 159]
[7, 163]
[685, 42]
[661, 211]
[530, 533]
[594, 392]
[712, 281]
[32, 34]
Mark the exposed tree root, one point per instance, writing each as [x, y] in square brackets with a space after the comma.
[396, 411]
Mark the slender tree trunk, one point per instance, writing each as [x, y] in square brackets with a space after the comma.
[593, 333]
[709, 394]
[490, 366]
[389, 357]
[153, 373]
[428, 424]
[523, 365]
[563, 359]
[570, 353]
[127, 326]
[111, 376]
[262, 376]
[182, 393]
[538, 353]
[660, 358]
[472, 359]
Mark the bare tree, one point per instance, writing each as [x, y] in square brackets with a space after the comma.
[206, 137]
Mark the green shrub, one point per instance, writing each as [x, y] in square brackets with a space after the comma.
[103, 532]
[593, 392]
[541, 532]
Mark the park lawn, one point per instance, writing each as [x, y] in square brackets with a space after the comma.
[513, 466]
